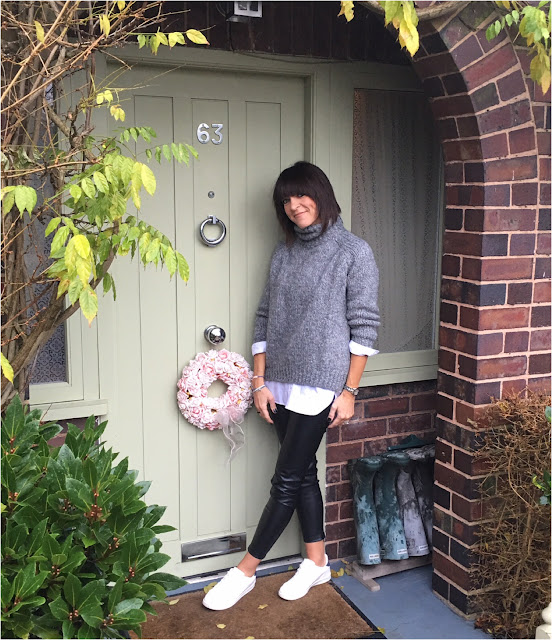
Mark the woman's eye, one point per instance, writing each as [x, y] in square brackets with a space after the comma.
[285, 201]
[300, 195]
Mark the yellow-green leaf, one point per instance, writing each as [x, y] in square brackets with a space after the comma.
[88, 187]
[5, 190]
[174, 601]
[75, 289]
[8, 201]
[7, 369]
[52, 226]
[148, 179]
[347, 10]
[84, 270]
[82, 246]
[59, 239]
[183, 268]
[39, 31]
[25, 198]
[62, 287]
[171, 261]
[152, 254]
[75, 191]
[208, 588]
[221, 626]
[121, 4]
[105, 25]
[71, 256]
[101, 182]
[337, 574]
[196, 36]
[89, 303]
[135, 194]
[262, 606]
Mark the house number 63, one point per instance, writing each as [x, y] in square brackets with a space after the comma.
[204, 136]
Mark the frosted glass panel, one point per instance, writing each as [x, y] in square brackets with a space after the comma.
[396, 208]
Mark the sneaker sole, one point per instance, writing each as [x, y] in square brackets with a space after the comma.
[326, 577]
[243, 593]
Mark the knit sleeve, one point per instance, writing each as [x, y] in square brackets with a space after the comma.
[362, 296]
[261, 319]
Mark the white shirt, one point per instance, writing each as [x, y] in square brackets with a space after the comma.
[309, 401]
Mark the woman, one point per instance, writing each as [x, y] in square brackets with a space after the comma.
[315, 326]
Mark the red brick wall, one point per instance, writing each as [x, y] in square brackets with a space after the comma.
[384, 415]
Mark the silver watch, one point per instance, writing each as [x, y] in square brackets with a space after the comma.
[353, 390]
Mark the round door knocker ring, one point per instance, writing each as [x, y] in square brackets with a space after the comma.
[212, 220]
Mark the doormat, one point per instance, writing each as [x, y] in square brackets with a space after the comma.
[325, 612]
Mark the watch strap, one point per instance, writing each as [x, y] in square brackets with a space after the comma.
[353, 390]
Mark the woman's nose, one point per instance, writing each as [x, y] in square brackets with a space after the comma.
[293, 202]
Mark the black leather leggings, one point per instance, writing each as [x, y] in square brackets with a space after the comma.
[295, 482]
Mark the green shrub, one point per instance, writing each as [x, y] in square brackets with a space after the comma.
[79, 551]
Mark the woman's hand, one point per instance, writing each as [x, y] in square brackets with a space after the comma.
[342, 409]
[263, 399]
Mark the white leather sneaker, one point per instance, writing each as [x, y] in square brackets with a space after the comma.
[229, 590]
[308, 575]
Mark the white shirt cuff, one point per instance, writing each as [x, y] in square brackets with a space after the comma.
[258, 347]
[360, 350]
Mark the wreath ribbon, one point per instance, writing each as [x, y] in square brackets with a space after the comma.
[226, 412]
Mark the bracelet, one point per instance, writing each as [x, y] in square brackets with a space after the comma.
[263, 386]
[253, 378]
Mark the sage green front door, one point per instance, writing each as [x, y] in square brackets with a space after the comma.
[250, 127]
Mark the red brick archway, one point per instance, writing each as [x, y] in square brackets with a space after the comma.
[494, 336]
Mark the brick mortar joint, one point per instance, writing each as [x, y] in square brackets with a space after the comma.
[470, 570]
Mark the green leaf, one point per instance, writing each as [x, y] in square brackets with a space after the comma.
[167, 580]
[71, 590]
[75, 191]
[101, 182]
[59, 239]
[128, 605]
[7, 369]
[88, 187]
[25, 198]
[176, 38]
[52, 226]
[92, 613]
[7, 202]
[171, 261]
[141, 40]
[75, 289]
[59, 609]
[196, 36]
[89, 303]
[193, 151]
[87, 631]
[167, 152]
[130, 618]
[154, 248]
[148, 179]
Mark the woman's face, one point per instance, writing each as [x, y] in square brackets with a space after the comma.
[301, 210]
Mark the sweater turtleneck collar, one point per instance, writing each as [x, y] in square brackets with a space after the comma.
[314, 231]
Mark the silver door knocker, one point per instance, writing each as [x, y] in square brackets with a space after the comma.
[212, 220]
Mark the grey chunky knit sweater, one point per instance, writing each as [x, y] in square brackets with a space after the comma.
[321, 293]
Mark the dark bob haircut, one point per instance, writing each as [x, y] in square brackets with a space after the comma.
[304, 178]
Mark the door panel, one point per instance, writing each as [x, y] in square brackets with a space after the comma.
[158, 323]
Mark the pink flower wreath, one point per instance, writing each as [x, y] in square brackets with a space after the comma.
[215, 413]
